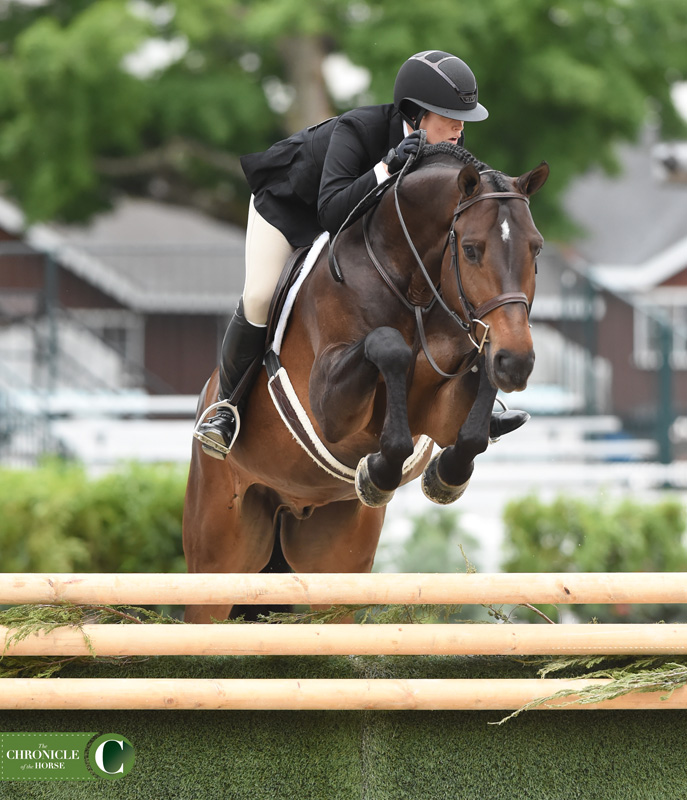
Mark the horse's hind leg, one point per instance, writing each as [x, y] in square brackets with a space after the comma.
[224, 531]
[447, 475]
[339, 537]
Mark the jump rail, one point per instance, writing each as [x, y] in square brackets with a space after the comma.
[324, 588]
[362, 640]
[316, 589]
[322, 694]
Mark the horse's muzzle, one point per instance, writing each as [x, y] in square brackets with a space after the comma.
[509, 371]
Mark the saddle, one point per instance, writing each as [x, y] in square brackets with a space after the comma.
[289, 276]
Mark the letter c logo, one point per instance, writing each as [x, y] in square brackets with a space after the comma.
[99, 756]
[111, 756]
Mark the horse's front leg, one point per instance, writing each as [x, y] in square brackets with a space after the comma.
[380, 474]
[447, 475]
[353, 380]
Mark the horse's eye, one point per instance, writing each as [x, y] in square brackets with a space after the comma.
[470, 252]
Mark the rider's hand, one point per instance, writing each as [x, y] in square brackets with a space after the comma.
[397, 156]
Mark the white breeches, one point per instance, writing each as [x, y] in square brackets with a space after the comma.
[267, 250]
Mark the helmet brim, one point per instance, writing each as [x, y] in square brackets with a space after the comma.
[476, 114]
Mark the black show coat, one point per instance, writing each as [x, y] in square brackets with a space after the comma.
[311, 181]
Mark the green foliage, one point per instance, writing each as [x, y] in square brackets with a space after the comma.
[65, 99]
[575, 535]
[57, 519]
[435, 544]
[563, 82]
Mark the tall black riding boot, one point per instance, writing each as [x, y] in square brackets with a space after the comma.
[506, 421]
[503, 422]
[243, 349]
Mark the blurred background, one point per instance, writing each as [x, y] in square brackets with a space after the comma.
[122, 206]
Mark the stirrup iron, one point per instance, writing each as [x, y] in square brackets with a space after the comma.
[211, 444]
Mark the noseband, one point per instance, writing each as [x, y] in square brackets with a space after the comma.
[473, 316]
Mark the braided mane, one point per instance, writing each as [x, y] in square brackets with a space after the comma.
[465, 157]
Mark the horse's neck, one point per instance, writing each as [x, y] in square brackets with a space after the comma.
[425, 242]
[419, 291]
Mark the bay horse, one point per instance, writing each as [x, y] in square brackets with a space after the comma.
[409, 329]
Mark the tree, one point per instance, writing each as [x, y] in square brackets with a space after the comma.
[85, 114]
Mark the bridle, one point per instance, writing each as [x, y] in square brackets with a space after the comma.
[474, 317]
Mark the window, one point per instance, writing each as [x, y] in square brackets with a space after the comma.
[647, 342]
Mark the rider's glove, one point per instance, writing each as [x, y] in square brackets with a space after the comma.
[397, 156]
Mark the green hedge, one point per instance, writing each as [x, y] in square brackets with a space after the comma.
[58, 519]
[599, 535]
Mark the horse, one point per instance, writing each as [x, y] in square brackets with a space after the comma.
[403, 331]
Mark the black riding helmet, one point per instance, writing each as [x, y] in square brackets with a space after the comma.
[440, 82]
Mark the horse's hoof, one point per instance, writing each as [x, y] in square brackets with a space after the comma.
[369, 494]
[437, 490]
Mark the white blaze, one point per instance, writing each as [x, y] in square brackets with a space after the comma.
[505, 231]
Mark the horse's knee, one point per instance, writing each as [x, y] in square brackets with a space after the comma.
[387, 350]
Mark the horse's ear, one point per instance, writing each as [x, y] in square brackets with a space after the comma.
[468, 181]
[532, 181]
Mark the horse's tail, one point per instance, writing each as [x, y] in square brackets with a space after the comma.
[277, 563]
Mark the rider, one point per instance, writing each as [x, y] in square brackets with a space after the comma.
[309, 183]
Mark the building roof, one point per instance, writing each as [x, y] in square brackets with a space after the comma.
[635, 223]
[646, 276]
[150, 256]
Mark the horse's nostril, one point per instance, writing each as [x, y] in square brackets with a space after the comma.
[503, 361]
[513, 368]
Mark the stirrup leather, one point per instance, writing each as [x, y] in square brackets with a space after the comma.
[211, 443]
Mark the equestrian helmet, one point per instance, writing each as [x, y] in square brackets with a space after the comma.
[440, 82]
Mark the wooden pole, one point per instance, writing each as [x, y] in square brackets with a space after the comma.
[310, 694]
[357, 588]
[287, 640]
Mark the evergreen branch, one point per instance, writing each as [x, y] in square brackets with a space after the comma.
[27, 620]
[651, 674]
[46, 666]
